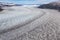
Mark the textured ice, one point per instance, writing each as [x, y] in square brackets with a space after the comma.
[13, 16]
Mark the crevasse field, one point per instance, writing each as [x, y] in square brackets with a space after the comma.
[29, 23]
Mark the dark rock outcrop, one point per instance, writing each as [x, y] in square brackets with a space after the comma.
[53, 5]
[1, 9]
[2, 5]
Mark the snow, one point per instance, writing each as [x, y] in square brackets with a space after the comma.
[27, 23]
[13, 16]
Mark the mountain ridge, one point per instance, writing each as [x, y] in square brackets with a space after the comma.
[52, 5]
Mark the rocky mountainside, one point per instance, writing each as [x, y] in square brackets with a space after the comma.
[2, 4]
[1, 8]
[52, 5]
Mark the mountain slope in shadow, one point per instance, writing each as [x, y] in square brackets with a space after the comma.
[52, 5]
[1, 9]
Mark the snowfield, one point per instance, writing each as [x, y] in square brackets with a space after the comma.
[17, 16]
[28, 23]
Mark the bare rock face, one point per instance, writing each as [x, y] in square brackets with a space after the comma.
[52, 5]
[2, 4]
[1, 9]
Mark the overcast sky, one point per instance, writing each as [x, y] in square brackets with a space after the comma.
[28, 1]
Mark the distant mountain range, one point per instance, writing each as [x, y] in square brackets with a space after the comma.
[52, 5]
[2, 4]
[9, 4]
